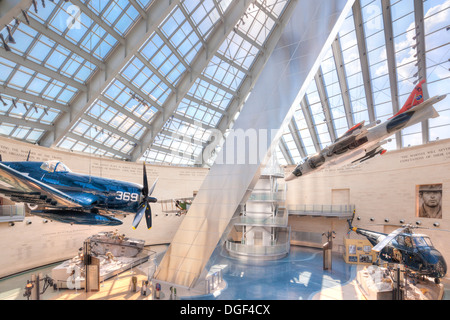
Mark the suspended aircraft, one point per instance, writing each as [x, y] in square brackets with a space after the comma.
[68, 197]
[415, 251]
[363, 142]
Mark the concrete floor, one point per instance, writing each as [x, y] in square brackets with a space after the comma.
[299, 276]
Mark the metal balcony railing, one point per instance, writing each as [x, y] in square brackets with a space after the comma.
[339, 211]
[258, 250]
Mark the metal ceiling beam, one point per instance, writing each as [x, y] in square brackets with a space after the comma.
[192, 121]
[25, 123]
[34, 99]
[174, 152]
[318, 78]
[392, 69]
[98, 20]
[249, 40]
[312, 128]
[139, 9]
[43, 70]
[232, 63]
[297, 139]
[342, 78]
[362, 49]
[179, 136]
[93, 143]
[107, 127]
[123, 110]
[118, 58]
[45, 30]
[216, 84]
[217, 36]
[154, 70]
[285, 151]
[10, 9]
[421, 60]
[204, 103]
[139, 92]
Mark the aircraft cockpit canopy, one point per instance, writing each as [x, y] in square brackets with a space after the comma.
[414, 241]
[421, 241]
[54, 166]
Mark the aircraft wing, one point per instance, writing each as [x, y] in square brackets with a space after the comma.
[380, 245]
[22, 188]
[343, 144]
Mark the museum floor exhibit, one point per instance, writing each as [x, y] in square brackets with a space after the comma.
[277, 150]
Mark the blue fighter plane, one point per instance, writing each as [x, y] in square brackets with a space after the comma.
[74, 198]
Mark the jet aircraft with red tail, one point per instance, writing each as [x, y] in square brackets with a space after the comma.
[363, 142]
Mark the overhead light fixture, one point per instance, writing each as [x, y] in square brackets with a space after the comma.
[25, 15]
[10, 37]
[5, 45]
[14, 103]
[35, 6]
[4, 103]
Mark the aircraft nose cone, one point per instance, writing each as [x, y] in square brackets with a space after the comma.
[290, 177]
[435, 258]
[295, 174]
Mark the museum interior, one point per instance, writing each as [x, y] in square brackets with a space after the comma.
[224, 150]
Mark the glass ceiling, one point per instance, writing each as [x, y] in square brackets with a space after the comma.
[188, 76]
[345, 89]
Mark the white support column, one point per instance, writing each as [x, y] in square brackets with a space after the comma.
[325, 105]
[390, 52]
[421, 60]
[362, 48]
[297, 139]
[308, 118]
[339, 61]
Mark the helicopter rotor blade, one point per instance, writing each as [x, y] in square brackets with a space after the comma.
[387, 239]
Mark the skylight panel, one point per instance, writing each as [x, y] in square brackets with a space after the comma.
[66, 95]
[204, 15]
[20, 132]
[239, 50]
[198, 112]
[6, 129]
[275, 7]
[24, 36]
[222, 72]
[257, 25]
[21, 78]
[41, 49]
[211, 94]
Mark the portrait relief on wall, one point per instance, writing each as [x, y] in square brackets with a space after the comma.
[429, 201]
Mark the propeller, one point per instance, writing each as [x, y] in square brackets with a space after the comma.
[144, 208]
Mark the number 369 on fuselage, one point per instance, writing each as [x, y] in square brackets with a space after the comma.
[78, 198]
